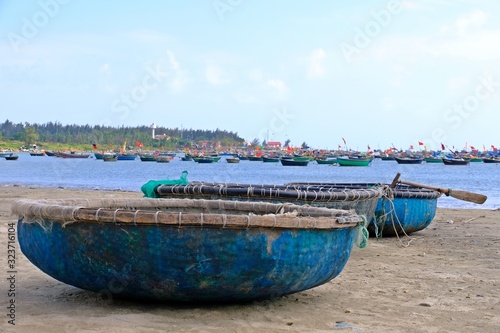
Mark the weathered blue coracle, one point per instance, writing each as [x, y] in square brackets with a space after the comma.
[409, 210]
[402, 209]
[186, 250]
[363, 200]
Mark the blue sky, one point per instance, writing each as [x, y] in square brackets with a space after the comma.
[375, 72]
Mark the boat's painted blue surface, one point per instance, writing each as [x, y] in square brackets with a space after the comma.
[402, 214]
[188, 263]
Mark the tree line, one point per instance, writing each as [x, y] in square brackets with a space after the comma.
[169, 138]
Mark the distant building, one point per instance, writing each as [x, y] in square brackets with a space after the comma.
[274, 144]
[161, 136]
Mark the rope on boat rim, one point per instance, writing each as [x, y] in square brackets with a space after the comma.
[394, 216]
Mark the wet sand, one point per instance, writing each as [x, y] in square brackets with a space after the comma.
[445, 278]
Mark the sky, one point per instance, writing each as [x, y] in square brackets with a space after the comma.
[372, 73]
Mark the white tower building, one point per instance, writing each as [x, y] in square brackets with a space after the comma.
[153, 127]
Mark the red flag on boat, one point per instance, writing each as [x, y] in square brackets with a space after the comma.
[472, 147]
[344, 141]
[411, 146]
[420, 143]
[442, 147]
[94, 145]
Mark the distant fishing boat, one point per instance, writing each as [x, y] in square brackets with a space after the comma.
[491, 160]
[37, 153]
[232, 160]
[354, 161]
[409, 160]
[326, 161]
[110, 157]
[433, 160]
[186, 250]
[11, 157]
[72, 155]
[147, 157]
[163, 158]
[455, 161]
[294, 162]
[6, 154]
[268, 159]
[127, 156]
[255, 158]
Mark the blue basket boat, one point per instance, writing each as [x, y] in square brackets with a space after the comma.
[186, 250]
[403, 209]
[409, 210]
[361, 200]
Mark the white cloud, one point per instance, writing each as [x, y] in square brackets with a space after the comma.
[215, 76]
[147, 36]
[180, 77]
[105, 68]
[315, 64]
[256, 75]
[465, 24]
[278, 88]
[457, 84]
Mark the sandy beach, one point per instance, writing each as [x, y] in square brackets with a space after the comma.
[445, 278]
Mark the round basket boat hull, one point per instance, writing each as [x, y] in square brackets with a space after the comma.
[403, 215]
[186, 263]
[412, 209]
[363, 203]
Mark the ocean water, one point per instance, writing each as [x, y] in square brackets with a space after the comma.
[131, 175]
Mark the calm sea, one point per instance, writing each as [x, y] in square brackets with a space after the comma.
[131, 175]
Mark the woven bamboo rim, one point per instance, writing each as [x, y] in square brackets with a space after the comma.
[290, 192]
[185, 212]
[400, 191]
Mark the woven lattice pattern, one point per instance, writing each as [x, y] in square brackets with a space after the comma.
[185, 212]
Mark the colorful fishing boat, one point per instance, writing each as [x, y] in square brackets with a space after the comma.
[72, 155]
[131, 156]
[294, 161]
[409, 160]
[491, 160]
[433, 160]
[269, 159]
[354, 161]
[255, 158]
[186, 250]
[455, 161]
[12, 157]
[108, 157]
[329, 161]
[163, 158]
[147, 157]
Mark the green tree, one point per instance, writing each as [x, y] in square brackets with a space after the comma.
[30, 136]
[255, 143]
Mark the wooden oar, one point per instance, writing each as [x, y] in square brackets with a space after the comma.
[457, 194]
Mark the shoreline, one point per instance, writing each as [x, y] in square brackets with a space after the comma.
[104, 190]
[441, 279]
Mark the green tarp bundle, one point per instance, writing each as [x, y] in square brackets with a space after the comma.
[149, 188]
